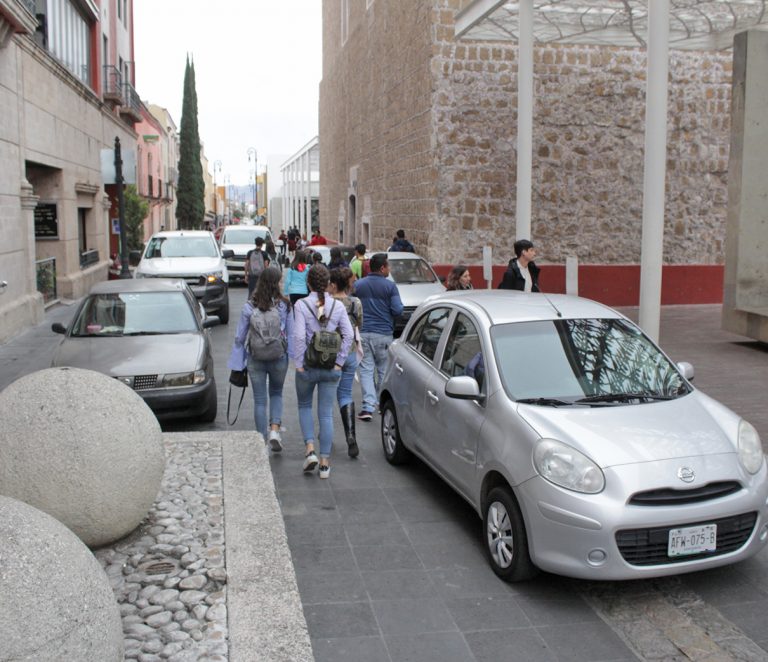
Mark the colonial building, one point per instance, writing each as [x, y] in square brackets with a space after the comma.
[418, 131]
[67, 91]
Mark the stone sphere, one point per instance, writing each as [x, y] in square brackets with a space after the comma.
[58, 602]
[82, 447]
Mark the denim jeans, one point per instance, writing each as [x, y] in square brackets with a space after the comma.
[258, 373]
[344, 390]
[326, 382]
[375, 358]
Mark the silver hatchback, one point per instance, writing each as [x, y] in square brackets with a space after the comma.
[585, 450]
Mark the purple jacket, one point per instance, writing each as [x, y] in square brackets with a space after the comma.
[305, 324]
[238, 357]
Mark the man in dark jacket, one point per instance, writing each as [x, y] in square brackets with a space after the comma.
[381, 305]
[401, 243]
[522, 273]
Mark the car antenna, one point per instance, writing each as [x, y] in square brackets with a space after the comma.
[549, 301]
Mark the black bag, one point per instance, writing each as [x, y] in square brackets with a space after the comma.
[238, 379]
[324, 346]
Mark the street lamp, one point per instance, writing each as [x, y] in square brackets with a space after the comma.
[252, 151]
[216, 166]
[227, 194]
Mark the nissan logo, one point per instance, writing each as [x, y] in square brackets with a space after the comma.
[686, 475]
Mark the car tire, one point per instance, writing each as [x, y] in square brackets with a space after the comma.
[394, 450]
[209, 415]
[224, 312]
[506, 541]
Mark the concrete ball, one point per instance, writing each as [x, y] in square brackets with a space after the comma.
[59, 605]
[82, 447]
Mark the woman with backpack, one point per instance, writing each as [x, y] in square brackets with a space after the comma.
[322, 339]
[295, 285]
[261, 345]
[339, 289]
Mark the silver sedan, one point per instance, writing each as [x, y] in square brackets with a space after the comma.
[585, 450]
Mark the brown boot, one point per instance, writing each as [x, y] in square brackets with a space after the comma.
[348, 420]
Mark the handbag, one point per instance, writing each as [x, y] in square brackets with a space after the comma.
[238, 379]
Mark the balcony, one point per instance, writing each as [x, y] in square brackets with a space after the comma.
[131, 108]
[113, 84]
[16, 16]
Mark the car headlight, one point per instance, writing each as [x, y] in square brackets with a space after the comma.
[184, 378]
[213, 277]
[750, 448]
[565, 466]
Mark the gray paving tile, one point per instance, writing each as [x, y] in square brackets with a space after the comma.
[457, 554]
[430, 647]
[524, 645]
[322, 559]
[340, 619]
[309, 531]
[419, 511]
[487, 613]
[424, 533]
[308, 503]
[750, 617]
[725, 586]
[401, 584]
[316, 587]
[383, 533]
[386, 557]
[585, 642]
[406, 617]
[379, 511]
[469, 582]
[350, 649]
[557, 612]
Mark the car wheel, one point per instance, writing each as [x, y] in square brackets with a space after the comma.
[224, 313]
[506, 540]
[209, 415]
[394, 450]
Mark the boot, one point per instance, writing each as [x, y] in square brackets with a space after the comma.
[348, 420]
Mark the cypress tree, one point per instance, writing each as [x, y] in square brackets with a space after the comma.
[190, 208]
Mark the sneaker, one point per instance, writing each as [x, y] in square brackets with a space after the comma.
[325, 471]
[352, 449]
[274, 441]
[310, 462]
[365, 416]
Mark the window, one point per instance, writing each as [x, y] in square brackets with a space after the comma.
[82, 221]
[68, 37]
[463, 354]
[425, 335]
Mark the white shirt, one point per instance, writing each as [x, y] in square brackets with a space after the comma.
[527, 277]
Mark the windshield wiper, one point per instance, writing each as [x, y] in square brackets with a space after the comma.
[544, 402]
[146, 333]
[623, 397]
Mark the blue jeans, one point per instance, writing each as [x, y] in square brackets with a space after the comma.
[344, 389]
[375, 357]
[258, 372]
[326, 382]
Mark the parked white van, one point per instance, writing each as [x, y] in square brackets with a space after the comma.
[240, 239]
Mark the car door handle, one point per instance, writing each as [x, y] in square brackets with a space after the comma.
[433, 397]
[399, 368]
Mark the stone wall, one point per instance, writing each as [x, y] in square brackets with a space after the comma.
[431, 123]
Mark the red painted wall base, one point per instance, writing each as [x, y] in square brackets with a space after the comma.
[619, 284]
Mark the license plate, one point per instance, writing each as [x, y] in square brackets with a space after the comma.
[692, 540]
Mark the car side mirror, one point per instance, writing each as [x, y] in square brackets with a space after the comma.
[463, 387]
[211, 320]
[227, 253]
[58, 327]
[687, 370]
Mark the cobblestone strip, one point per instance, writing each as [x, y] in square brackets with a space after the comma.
[663, 620]
[169, 575]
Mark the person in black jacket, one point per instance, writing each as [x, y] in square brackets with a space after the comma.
[400, 243]
[522, 273]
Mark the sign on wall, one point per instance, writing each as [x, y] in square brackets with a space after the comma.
[46, 221]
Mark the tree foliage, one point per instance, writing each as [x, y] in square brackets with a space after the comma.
[136, 210]
[190, 209]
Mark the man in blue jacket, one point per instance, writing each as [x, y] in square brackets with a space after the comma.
[381, 305]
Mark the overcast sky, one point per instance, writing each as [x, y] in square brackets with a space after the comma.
[257, 70]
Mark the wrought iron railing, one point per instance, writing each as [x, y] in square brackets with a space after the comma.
[131, 98]
[113, 82]
[46, 278]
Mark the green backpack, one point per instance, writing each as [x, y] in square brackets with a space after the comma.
[324, 346]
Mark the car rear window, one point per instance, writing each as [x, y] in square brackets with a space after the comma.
[406, 272]
[181, 247]
[243, 235]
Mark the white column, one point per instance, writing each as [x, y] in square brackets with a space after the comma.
[309, 190]
[284, 196]
[655, 167]
[524, 120]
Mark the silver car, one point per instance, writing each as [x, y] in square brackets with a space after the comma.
[415, 279]
[150, 334]
[585, 450]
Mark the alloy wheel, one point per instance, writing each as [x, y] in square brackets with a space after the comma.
[501, 544]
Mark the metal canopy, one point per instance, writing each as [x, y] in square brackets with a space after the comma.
[693, 24]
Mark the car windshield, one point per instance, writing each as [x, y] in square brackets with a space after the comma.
[584, 361]
[411, 271]
[181, 247]
[135, 313]
[243, 235]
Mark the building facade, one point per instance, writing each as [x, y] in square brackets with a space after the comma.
[417, 131]
[301, 191]
[62, 107]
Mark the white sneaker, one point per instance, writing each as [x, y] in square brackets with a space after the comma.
[310, 462]
[274, 441]
[325, 471]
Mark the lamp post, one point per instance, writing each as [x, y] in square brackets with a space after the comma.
[229, 203]
[252, 151]
[216, 166]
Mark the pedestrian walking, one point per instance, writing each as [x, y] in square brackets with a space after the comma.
[271, 251]
[400, 243]
[338, 288]
[322, 339]
[295, 283]
[522, 273]
[459, 278]
[358, 261]
[256, 260]
[317, 239]
[261, 345]
[381, 305]
[336, 260]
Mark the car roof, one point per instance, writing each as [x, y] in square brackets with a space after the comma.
[239, 226]
[505, 306]
[138, 285]
[402, 255]
[183, 233]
